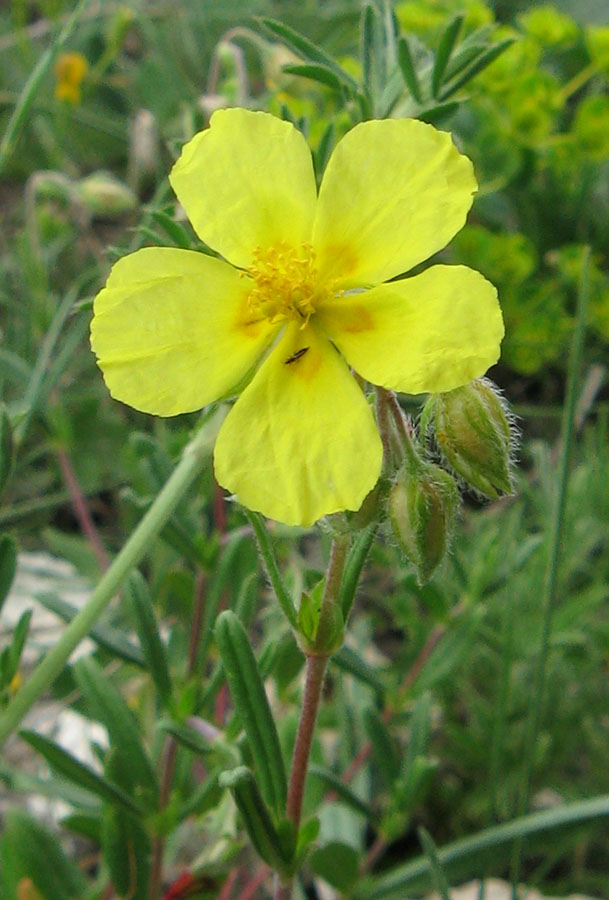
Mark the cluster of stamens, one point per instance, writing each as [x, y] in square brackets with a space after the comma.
[285, 283]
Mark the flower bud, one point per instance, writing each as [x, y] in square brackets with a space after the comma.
[104, 196]
[472, 430]
[422, 508]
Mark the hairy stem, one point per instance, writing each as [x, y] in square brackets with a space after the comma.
[314, 680]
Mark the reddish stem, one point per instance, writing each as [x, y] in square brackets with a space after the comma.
[81, 510]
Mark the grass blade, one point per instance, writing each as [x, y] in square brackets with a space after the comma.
[409, 877]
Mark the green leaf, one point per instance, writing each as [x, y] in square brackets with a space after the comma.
[408, 69]
[153, 648]
[7, 450]
[126, 850]
[439, 112]
[350, 661]
[252, 705]
[109, 638]
[223, 571]
[477, 66]
[20, 634]
[106, 704]
[324, 149]
[28, 850]
[306, 48]
[188, 737]
[173, 229]
[412, 877]
[384, 749]
[436, 867]
[336, 863]
[77, 772]
[358, 554]
[371, 51]
[443, 53]
[345, 793]
[88, 825]
[258, 823]
[8, 565]
[316, 73]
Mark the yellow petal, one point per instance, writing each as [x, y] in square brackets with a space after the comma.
[170, 330]
[394, 192]
[430, 333]
[246, 181]
[301, 441]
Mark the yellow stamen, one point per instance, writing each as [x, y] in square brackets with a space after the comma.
[286, 284]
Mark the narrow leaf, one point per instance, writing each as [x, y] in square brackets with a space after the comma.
[77, 772]
[153, 648]
[188, 737]
[126, 850]
[443, 53]
[316, 73]
[369, 47]
[441, 111]
[436, 867]
[29, 850]
[304, 47]
[172, 228]
[324, 148]
[218, 583]
[8, 565]
[109, 638]
[7, 449]
[408, 69]
[106, 704]
[345, 793]
[350, 661]
[463, 56]
[353, 567]
[476, 67]
[258, 823]
[252, 705]
[411, 877]
[19, 638]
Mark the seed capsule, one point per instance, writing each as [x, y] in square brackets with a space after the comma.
[422, 509]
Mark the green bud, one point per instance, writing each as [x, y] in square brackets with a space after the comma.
[422, 509]
[321, 628]
[104, 196]
[472, 430]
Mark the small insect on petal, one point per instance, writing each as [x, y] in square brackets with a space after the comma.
[295, 356]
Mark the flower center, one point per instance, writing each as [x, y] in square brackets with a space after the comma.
[285, 283]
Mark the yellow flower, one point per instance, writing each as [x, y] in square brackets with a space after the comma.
[70, 69]
[293, 303]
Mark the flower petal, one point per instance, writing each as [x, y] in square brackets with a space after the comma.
[247, 181]
[301, 441]
[430, 333]
[394, 192]
[170, 330]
